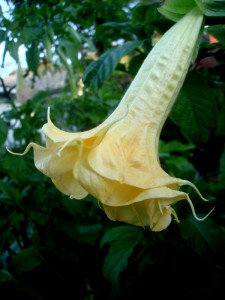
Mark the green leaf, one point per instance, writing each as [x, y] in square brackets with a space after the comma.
[142, 18]
[70, 49]
[218, 31]
[170, 15]
[179, 7]
[178, 166]
[100, 70]
[28, 34]
[195, 110]
[3, 35]
[174, 146]
[12, 48]
[122, 241]
[4, 55]
[89, 233]
[32, 57]
[8, 194]
[68, 229]
[212, 8]
[222, 171]
[203, 237]
[135, 63]
[3, 131]
[3, 222]
[16, 167]
[220, 130]
[75, 36]
[26, 260]
[100, 30]
[176, 9]
[6, 276]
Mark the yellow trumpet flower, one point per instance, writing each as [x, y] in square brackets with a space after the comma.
[117, 162]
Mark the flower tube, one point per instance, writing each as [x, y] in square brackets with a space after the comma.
[117, 162]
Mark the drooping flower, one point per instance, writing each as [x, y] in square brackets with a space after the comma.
[23, 90]
[117, 162]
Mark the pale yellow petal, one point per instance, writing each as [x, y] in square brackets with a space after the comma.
[149, 208]
[125, 155]
[159, 218]
[59, 168]
[69, 186]
[114, 193]
[134, 214]
[89, 138]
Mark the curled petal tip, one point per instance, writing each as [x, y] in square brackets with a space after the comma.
[48, 113]
[194, 213]
[11, 151]
[186, 182]
[16, 153]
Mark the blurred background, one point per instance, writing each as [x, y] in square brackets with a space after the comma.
[79, 57]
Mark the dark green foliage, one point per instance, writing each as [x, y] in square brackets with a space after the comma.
[32, 56]
[212, 8]
[122, 241]
[204, 238]
[99, 71]
[3, 131]
[222, 172]
[195, 110]
[52, 247]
